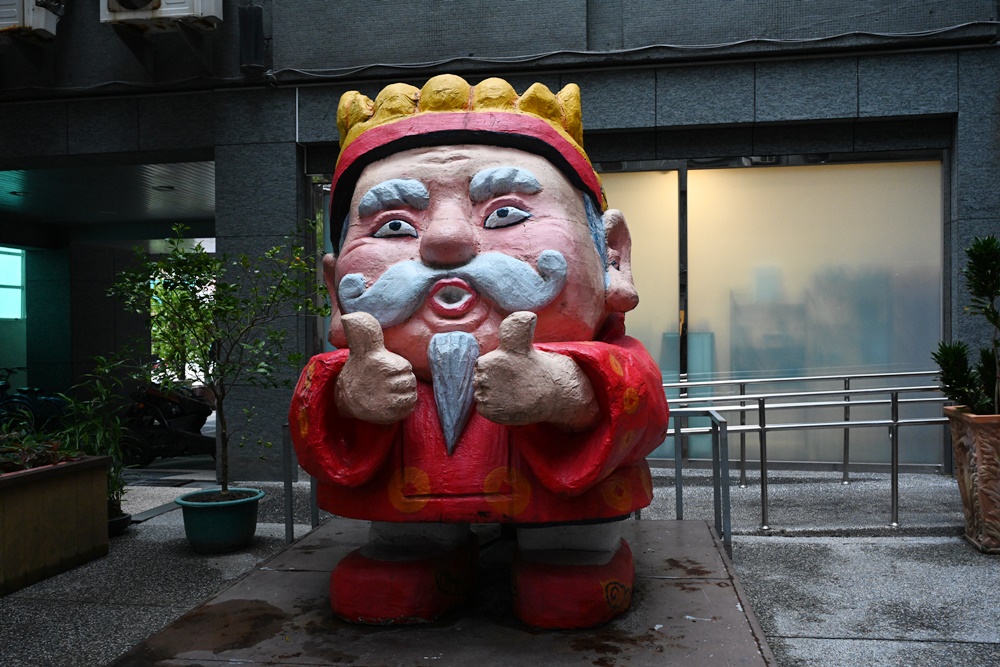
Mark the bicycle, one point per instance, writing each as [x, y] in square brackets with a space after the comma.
[27, 406]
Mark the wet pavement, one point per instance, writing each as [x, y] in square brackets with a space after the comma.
[687, 607]
[831, 584]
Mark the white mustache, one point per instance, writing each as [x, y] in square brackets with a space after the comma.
[509, 282]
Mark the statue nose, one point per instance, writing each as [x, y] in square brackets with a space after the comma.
[448, 241]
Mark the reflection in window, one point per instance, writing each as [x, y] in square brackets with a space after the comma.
[820, 270]
[793, 271]
[815, 270]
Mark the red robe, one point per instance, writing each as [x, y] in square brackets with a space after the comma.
[511, 474]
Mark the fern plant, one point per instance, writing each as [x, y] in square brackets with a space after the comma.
[976, 385]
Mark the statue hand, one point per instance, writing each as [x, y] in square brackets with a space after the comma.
[516, 384]
[375, 384]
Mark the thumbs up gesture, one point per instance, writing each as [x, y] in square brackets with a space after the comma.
[517, 384]
[375, 384]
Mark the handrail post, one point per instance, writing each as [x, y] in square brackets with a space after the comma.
[286, 475]
[716, 476]
[678, 487]
[847, 430]
[894, 441]
[727, 523]
[743, 438]
[762, 432]
[313, 502]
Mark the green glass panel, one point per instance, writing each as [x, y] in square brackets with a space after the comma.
[10, 303]
[10, 268]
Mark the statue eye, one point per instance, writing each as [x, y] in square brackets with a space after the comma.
[395, 228]
[505, 216]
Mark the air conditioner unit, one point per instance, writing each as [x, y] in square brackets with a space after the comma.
[29, 16]
[162, 14]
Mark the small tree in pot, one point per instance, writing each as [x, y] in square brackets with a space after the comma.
[230, 315]
[975, 389]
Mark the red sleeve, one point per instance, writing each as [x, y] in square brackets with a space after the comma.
[629, 390]
[331, 448]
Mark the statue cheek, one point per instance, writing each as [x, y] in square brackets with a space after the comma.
[336, 335]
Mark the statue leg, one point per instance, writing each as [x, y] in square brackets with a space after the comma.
[573, 576]
[407, 573]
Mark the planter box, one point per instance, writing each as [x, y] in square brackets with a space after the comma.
[976, 440]
[52, 519]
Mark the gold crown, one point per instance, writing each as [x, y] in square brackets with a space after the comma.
[447, 92]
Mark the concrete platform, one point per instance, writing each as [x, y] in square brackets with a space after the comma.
[688, 608]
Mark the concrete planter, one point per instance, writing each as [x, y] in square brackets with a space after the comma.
[976, 441]
[52, 519]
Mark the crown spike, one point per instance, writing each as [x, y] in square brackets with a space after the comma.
[398, 99]
[538, 100]
[495, 94]
[354, 108]
[569, 100]
[445, 92]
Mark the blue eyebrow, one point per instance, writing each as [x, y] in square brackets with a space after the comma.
[393, 193]
[501, 181]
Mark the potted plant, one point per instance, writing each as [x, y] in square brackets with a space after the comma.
[53, 499]
[975, 390]
[223, 320]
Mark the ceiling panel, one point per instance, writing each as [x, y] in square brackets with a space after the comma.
[181, 192]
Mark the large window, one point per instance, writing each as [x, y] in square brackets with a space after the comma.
[812, 270]
[791, 271]
[11, 284]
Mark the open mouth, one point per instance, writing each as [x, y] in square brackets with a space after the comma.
[452, 297]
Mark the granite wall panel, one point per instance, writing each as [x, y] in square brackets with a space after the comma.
[705, 95]
[348, 35]
[908, 84]
[806, 90]
[103, 126]
[618, 99]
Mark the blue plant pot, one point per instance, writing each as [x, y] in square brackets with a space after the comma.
[219, 526]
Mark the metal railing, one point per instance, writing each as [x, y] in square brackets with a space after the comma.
[720, 467]
[713, 407]
[288, 475]
[741, 402]
[722, 516]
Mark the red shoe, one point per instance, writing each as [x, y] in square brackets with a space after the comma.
[562, 597]
[364, 589]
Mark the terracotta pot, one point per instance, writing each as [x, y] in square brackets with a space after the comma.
[976, 441]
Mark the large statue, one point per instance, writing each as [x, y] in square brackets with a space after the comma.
[484, 374]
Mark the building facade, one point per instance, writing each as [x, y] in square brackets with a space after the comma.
[111, 131]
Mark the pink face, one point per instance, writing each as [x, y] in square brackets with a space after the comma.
[443, 206]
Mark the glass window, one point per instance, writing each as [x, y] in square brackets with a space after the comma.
[819, 270]
[812, 270]
[793, 271]
[648, 200]
[11, 284]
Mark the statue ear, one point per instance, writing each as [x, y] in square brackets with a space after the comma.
[621, 296]
[336, 334]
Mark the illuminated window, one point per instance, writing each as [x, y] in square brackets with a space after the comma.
[11, 284]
